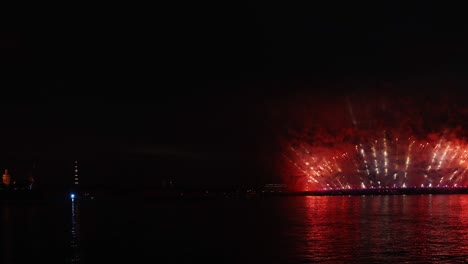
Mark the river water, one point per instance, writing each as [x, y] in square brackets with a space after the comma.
[296, 229]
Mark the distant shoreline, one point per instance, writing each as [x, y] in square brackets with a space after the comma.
[382, 191]
[196, 195]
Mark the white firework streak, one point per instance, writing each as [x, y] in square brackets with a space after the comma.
[444, 154]
[385, 152]
[375, 164]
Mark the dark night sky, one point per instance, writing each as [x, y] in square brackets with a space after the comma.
[185, 87]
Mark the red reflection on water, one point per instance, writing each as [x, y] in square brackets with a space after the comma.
[386, 228]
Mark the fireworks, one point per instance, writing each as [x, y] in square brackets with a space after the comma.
[377, 147]
[380, 163]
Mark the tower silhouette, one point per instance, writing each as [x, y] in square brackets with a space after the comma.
[76, 181]
[76, 174]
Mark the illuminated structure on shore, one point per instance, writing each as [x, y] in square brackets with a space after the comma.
[76, 182]
[10, 183]
[74, 191]
[6, 179]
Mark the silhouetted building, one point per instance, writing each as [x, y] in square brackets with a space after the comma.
[275, 187]
[6, 178]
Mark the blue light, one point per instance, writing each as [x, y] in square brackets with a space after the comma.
[72, 195]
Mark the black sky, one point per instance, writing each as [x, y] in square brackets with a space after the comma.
[186, 86]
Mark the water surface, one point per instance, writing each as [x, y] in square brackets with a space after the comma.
[302, 229]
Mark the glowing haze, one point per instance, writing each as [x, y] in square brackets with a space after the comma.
[373, 141]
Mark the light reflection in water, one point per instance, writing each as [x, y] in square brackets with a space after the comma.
[75, 231]
[390, 229]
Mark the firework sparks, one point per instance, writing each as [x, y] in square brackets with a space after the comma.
[355, 171]
[358, 142]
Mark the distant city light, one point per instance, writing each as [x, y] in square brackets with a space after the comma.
[72, 196]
